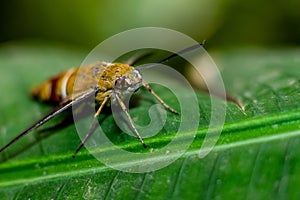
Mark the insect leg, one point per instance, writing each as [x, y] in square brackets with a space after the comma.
[121, 103]
[158, 98]
[91, 130]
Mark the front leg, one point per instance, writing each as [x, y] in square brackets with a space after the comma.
[124, 108]
[159, 99]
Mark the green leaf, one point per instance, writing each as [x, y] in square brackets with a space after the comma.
[256, 157]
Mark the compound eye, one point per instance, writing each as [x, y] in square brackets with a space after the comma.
[137, 74]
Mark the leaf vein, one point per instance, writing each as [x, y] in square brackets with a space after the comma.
[210, 179]
[110, 187]
[179, 174]
[252, 176]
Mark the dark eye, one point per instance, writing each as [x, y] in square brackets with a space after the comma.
[137, 74]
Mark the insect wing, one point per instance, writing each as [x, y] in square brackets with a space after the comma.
[86, 77]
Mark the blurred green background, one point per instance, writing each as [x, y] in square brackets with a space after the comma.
[265, 81]
[223, 23]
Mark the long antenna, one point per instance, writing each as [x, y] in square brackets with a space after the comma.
[50, 116]
[181, 52]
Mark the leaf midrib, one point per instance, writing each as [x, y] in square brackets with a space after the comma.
[292, 118]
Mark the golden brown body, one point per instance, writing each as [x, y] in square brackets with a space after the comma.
[101, 74]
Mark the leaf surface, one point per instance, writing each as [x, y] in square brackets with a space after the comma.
[256, 156]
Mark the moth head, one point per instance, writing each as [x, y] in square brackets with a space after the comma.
[128, 82]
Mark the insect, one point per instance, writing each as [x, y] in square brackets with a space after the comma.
[113, 82]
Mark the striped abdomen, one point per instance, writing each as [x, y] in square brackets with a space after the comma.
[101, 75]
[57, 88]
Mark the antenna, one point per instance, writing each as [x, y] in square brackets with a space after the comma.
[174, 55]
[50, 116]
